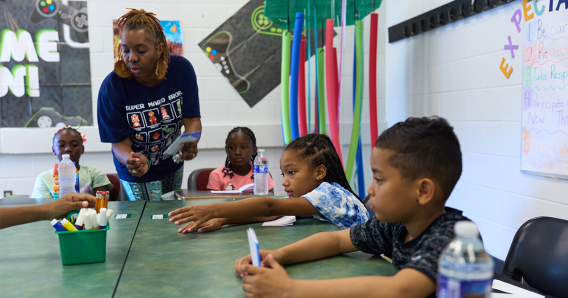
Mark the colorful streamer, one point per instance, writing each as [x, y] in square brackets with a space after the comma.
[343, 17]
[358, 102]
[373, 79]
[285, 87]
[309, 71]
[335, 76]
[321, 91]
[302, 89]
[359, 173]
[331, 83]
[294, 67]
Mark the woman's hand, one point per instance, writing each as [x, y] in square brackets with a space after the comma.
[137, 164]
[195, 215]
[189, 150]
[247, 260]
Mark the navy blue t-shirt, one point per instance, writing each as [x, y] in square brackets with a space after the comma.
[150, 116]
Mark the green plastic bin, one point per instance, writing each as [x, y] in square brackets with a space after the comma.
[82, 247]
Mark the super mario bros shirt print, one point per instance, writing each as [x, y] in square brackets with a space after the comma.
[150, 116]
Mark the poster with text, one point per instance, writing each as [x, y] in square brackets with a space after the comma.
[45, 75]
[545, 94]
[172, 31]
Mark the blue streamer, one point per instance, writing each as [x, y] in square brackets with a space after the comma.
[298, 27]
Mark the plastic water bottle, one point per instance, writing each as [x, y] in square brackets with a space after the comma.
[464, 268]
[67, 176]
[260, 174]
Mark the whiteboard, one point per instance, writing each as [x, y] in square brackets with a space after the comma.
[545, 93]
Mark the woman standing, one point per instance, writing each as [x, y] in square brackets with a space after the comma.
[143, 105]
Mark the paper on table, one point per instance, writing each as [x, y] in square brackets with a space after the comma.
[514, 290]
[253, 244]
[280, 222]
[240, 190]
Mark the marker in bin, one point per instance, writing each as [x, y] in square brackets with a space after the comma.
[87, 219]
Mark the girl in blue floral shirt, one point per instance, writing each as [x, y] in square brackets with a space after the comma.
[314, 180]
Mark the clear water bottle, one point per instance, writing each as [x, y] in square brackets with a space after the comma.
[464, 268]
[260, 173]
[67, 176]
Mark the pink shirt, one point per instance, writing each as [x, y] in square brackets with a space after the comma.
[218, 182]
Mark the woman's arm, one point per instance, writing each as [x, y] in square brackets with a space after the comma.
[253, 207]
[136, 163]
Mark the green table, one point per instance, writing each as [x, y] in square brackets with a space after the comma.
[30, 261]
[163, 262]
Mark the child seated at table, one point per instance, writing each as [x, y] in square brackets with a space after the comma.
[70, 141]
[240, 146]
[314, 180]
[415, 165]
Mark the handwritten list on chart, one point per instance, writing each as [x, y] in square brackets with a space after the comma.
[545, 95]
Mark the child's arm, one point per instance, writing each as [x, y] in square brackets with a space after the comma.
[315, 247]
[253, 207]
[275, 282]
[216, 223]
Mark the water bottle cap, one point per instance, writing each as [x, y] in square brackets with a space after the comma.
[466, 228]
[260, 150]
[65, 156]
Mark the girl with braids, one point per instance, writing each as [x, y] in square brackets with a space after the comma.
[70, 141]
[240, 146]
[143, 105]
[314, 180]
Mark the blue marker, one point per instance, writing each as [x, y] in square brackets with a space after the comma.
[57, 225]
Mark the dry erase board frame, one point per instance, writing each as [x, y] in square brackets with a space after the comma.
[544, 122]
[443, 15]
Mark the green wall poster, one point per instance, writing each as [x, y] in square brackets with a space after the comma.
[45, 75]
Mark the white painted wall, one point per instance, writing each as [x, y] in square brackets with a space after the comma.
[453, 71]
[24, 153]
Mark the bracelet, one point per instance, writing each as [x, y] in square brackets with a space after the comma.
[147, 161]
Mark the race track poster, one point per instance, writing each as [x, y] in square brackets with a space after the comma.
[45, 75]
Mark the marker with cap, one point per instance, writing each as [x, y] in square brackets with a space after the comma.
[57, 225]
[94, 222]
[103, 219]
[67, 225]
[109, 214]
[80, 219]
[88, 220]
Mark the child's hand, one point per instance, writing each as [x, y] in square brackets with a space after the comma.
[210, 226]
[198, 214]
[137, 164]
[247, 260]
[267, 282]
[189, 150]
[69, 202]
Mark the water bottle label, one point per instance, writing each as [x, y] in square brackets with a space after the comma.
[261, 169]
[454, 288]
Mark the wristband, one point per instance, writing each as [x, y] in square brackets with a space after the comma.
[147, 161]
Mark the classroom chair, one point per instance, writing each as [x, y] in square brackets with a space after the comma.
[539, 255]
[117, 193]
[199, 178]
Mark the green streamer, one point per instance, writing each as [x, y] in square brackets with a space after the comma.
[285, 86]
[355, 131]
[321, 90]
